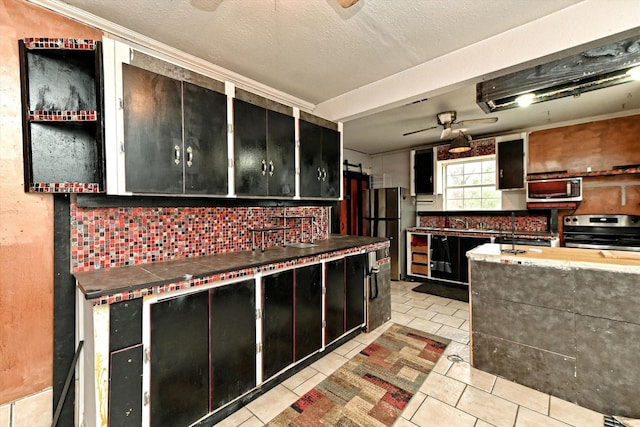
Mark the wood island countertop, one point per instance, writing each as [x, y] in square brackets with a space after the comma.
[97, 284]
[622, 261]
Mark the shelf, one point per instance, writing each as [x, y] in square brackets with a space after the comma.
[577, 174]
[62, 116]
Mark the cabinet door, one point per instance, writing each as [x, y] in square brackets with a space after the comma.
[180, 360]
[233, 341]
[444, 257]
[205, 140]
[511, 165]
[277, 322]
[250, 148]
[281, 154]
[331, 167]
[423, 168]
[152, 132]
[466, 244]
[308, 310]
[125, 387]
[355, 294]
[334, 300]
[310, 159]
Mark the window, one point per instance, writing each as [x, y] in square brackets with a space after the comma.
[471, 185]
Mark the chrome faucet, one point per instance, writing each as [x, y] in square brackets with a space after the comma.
[465, 222]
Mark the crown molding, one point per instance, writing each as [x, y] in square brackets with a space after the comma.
[155, 48]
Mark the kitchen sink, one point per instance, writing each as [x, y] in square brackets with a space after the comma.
[301, 245]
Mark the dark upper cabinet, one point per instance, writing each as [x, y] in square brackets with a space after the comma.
[180, 360]
[175, 135]
[277, 322]
[233, 341]
[510, 164]
[62, 105]
[205, 140]
[308, 310]
[152, 131]
[264, 151]
[423, 172]
[320, 168]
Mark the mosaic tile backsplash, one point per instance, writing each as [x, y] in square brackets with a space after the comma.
[118, 237]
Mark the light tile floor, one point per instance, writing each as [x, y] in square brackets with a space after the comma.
[454, 394]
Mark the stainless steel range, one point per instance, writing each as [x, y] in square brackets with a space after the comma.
[619, 232]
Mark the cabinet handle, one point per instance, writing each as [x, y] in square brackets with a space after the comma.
[189, 156]
[324, 174]
[176, 156]
[431, 179]
[264, 167]
[271, 168]
[501, 170]
[319, 174]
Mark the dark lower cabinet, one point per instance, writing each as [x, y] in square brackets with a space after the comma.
[355, 267]
[277, 322]
[308, 310]
[180, 360]
[233, 341]
[334, 300]
[466, 244]
[125, 387]
[444, 259]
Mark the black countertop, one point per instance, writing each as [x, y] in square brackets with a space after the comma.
[102, 282]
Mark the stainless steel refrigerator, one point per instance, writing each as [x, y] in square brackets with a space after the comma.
[388, 212]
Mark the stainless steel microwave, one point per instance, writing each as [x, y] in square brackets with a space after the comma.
[555, 190]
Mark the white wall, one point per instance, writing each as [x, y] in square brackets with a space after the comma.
[355, 158]
[393, 168]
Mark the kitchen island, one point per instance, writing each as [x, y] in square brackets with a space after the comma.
[191, 340]
[563, 321]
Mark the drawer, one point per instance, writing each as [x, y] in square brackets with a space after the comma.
[419, 269]
[422, 258]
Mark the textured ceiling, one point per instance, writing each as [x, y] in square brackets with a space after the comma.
[319, 52]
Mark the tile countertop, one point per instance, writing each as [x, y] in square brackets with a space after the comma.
[619, 261]
[481, 232]
[97, 284]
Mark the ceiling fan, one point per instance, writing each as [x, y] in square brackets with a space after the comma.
[447, 119]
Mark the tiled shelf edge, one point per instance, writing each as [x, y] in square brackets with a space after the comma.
[63, 116]
[65, 187]
[59, 43]
[577, 174]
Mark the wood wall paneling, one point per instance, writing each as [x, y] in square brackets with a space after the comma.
[599, 145]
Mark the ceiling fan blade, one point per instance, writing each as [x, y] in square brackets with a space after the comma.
[417, 131]
[347, 3]
[477, 121]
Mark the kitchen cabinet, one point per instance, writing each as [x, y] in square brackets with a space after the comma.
[418, 254]
[233, 349]
[125, 363]
[174, 135]
[308, 310]
[320, 154]
[264, 151]
[345, 295]
[179, 370]
[62, 104]
[334, 300]
[465, 245]
[423, 171]
[510, 165]
[355, 273]
[277, 322]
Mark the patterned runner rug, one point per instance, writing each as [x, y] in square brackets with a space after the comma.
[373, 387]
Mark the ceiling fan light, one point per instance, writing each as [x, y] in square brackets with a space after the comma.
[525, 100]
[634, 72]
[460, 144]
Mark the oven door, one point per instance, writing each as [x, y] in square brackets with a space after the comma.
[602, 238]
